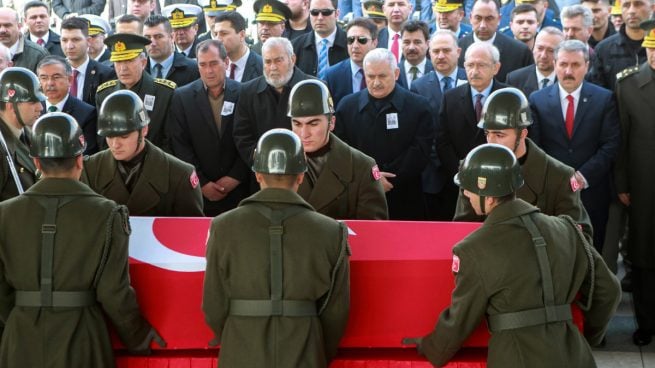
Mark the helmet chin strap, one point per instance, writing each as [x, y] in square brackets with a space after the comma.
[482, 206]
[17, 112]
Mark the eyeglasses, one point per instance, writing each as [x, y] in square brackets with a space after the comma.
[323, 12]
[363, 40]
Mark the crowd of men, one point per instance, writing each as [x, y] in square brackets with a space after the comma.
[171, 102]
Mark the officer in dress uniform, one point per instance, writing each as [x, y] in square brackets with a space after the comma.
[521, 271]
[129, 58]
[135, 172]
[59, 279]
[20, 106]
[265, 274]
[341, 182]
[184, 20]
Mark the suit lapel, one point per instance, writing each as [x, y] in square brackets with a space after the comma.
[586, 99]
[555, 108]
[466, 103]
[202, 104]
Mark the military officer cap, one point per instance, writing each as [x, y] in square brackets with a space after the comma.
[125, 46]
[271, 11]
[279, 151]
[505, 108]
[445, 6]
[182, 15]
[57, 135]
[97, 25]
[649, 39]
[490, 170]
[309, 98]
[216, 7]
[121, 112]
[20, 85]
[373, 9]
[616, 8]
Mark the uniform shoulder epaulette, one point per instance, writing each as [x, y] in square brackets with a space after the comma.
[107, 84]
[626, 72]
[165, 82]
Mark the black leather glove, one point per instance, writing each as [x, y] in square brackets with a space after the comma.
[144, 347]
[413, 341]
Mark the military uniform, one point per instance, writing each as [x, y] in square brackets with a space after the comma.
[156, 94]
[238, 265]
[24, 165]
[166, 185]
[547, 186]
[347, 186]
[87, 259]
[497, 272]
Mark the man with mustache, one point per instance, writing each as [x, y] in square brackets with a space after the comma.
[25, 53]
[414, 63]
[576, 122]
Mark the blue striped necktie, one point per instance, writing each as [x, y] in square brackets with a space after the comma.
[323, 59]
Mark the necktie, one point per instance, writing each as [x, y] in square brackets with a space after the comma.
[73, 90]
[414, 72]
[23, 138]
[323, 59]
[569, 116]
[158, 73]
[544, 83]
[233, 67]
[447, 83]
[395, 46]
[40, 42]
[362, 83]
[52, 108]
[478, 106]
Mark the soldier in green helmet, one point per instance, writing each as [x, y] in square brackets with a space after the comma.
[548, 182]
[521, 270]
[20, 106]
[265, 274]
[341, 182]
[135, 172]
[58, 281]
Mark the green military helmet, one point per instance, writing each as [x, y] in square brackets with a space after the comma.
[506, 108]
[121, 112]
[308, 98]
[57, 135]
[490, 170]
[279, 151]
[20, 85]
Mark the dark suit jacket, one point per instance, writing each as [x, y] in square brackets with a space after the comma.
[595, 141]
[196, 140]
[402, 78]
[96, 74]
[457, 130]
[183, 71]
[513, 54]
[254, 67]
[53, 45]
[86, 117]
[307, 57]
[105, 56]
[429, 87]
[383, 38]
[339, 79]
[524, 79]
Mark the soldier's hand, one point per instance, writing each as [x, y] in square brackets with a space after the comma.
[212, 191]
[624, 198]
[411, 340]
[144, 347]
[386, 184]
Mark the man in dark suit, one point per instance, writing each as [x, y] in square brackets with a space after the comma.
[446, 75]
[457, 130]
[200, 126]
[394, 127]
[542, 73]
[576, 122]
[484, 19]
[163, 61]
[348, 75]
[397, 13]
[244, 65]
[88, 74]
[316, 51]
[414, 63]
[55, 76]
[37, 19]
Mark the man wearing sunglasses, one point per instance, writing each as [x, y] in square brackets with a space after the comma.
[316, 51]
[348, 75]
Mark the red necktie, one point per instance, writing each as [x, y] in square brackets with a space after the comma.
[395, 46]
[478, 106]
[569, 116]
[73, 90]
[40, 42]
[232, 67]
